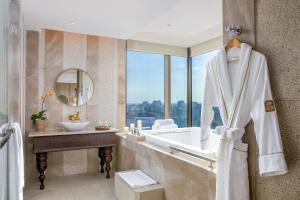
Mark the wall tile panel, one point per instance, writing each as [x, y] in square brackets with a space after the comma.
[49, 52]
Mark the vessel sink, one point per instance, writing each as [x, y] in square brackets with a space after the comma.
[74, 125]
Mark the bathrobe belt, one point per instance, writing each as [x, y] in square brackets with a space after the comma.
[230, 133]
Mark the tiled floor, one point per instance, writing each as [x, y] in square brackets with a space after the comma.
[78, 187]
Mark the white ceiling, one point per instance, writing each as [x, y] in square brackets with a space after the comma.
[174, 22]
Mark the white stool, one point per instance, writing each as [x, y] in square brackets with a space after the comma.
[135, 185]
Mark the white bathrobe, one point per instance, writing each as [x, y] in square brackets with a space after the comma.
[242, 92]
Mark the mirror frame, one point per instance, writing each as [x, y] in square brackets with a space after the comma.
[55, 87]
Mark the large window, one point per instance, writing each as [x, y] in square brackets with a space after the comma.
[157, 87]
[145, 87]
[179, 90]
[198, 71]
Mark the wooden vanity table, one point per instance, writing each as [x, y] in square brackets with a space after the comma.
[53, 141]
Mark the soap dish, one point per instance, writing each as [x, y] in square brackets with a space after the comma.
[102, 128]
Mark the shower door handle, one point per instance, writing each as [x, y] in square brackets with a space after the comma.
[5, 137]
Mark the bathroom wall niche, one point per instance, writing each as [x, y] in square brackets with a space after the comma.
[74, 87]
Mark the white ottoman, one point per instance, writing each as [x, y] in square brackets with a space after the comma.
[135, 185]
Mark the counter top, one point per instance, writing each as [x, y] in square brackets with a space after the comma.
[33, 134]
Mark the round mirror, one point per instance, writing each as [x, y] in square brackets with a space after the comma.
[74, 87]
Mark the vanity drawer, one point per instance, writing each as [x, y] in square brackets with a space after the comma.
[73, 142]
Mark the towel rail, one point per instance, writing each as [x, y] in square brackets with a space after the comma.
[210, 160]
[5, 137]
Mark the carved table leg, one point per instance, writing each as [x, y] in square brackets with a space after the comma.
[41, 165]
[108, 159]
[101, 154]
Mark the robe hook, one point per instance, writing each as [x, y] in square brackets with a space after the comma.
[235, 30]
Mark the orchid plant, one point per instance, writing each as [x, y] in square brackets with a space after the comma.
[41, 115]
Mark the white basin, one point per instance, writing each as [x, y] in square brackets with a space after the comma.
[74, 125]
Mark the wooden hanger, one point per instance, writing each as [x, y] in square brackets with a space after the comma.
[233, 42]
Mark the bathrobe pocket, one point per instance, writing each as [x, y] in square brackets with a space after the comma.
[239, 164]
[239, 172]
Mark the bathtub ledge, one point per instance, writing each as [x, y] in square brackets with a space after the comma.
[198, 162]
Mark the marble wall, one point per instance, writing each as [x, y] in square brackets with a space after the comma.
[240, 12]
[48, 53]
[181, 179]
[277, 37]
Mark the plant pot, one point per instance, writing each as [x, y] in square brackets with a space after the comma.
[40, 125]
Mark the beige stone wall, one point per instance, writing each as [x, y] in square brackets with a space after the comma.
[240, 12]
[48, 53]
[277, 37]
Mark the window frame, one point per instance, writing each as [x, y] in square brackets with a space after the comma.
[126, 82]
[170, 88]
[167, 82]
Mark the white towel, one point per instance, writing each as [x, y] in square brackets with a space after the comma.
[20, 159]
[137, 178]
[164, 124]
[13, 181]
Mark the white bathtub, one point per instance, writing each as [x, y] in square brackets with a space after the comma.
[185, 139]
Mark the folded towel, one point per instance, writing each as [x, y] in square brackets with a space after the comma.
[164, 124]
[137, 178]
[174, 126]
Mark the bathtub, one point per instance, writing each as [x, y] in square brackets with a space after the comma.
[185, 140]
[182, 176]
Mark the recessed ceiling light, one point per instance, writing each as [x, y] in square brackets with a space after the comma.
[72, 22]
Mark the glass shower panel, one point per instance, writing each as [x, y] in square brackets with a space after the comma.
[14, 62]
[11, 68]
[11, 61]
[4, 5]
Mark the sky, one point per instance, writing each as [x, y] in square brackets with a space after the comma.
[145, 77]
[198, 72]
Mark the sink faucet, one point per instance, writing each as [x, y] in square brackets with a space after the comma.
[75, 116]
